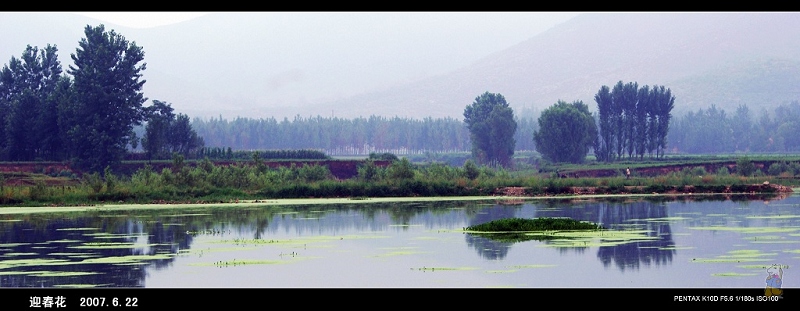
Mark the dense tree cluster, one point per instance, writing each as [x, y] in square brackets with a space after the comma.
[87, 115]
[377, 133]
[167, 133]
[492, 126]
[30, 89]
[713, 130]
[632, 120]
[566, 132]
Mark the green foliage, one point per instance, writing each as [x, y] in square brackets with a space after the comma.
[28, 113]
[368, 171]
[632, 120]
[94, 181]
[38, 191]
[312, 173]
[401, 170]
[536, 224]
[471, 170]
[109, 97]
[566, 132]
[167, 133]
[110, 179]
[386, 156]
[745, 167]
[492, 126]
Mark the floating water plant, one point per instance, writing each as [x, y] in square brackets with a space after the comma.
[536, 224]
[433, 269]
[531, 266]
[512, 230]
[733, 274]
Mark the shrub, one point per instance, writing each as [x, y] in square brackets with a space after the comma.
[401, 169]
[471, 170]
[745, 167]
[94, 182]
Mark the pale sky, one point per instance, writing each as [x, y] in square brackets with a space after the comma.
[142, 19]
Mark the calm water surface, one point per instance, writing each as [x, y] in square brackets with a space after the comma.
[667, 244]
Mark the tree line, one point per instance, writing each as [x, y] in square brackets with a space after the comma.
[376, 133]
[87, 114]
[632, 120]
[714, 130]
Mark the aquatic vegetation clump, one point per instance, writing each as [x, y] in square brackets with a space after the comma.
[536, 224]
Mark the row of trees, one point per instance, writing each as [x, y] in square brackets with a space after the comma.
[380, 134]
[87, 115]
[713, 130]
[632, 120]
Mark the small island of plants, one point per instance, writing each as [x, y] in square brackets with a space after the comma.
[536, 224]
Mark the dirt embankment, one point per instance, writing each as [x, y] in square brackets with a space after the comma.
[660, 170]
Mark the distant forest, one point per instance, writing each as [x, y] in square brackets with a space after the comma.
[709, 130]
[713, 130]
[337, 136]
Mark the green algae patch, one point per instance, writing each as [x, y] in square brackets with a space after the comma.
[501, 271]
[727, 260]
[239, 262]
[748, 229]
[733, 274]
[63, 273]
[77, 229]
[674, 248]
[517, 267]
[49, 273]
[737, 256]
[104, 235]
[661, 219]
[19, 254]
[214, 250]
[16, 272]
[434, 269]
[125, 259]
[14, 263]
[64, 241]
[774, 217]
[595, 238]
[77, 285]
[110, 245]
[399, 253]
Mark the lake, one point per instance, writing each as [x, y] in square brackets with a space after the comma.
[649, 244]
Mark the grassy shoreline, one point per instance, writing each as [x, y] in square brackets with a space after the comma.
[10, 210]
[207, 182]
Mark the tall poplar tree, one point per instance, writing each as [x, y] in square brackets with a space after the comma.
[108, 89]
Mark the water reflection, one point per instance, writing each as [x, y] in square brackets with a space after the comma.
[364, 244]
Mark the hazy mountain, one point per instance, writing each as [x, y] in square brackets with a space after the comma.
[722, 59]
[253, 64]
[434, 64]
